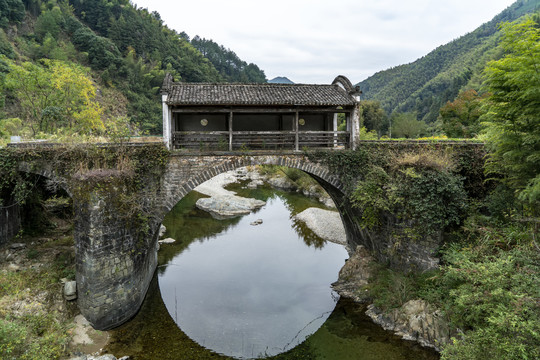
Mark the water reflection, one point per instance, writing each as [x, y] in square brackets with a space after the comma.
[252, 290]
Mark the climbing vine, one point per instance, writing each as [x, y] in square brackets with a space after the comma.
[116, 172]
[14, 186]
[421, 184]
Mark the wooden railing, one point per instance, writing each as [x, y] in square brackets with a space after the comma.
[202, 140]
[324, 139]
[266, 140]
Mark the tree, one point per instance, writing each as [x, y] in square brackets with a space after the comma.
[11, 11]
[406, 125]
[55, 96]
[228, 63]
[460, 118]
[513, 112]
[373, 116]
[49, 22]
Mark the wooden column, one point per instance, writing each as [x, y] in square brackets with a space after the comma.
[334, 128]
[167, 131]
[230, 130]
[296, 131]
[349, 128]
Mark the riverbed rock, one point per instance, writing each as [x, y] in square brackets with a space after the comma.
[242, 173]
[256, 222]
[14, 267]
[354, 276]
[326, 224]
[167, 241]
[281, 182]
[17, 246]
[70, 290]
[416, 320]
[215, 186]
[311, 191]
[162, 230]
[327, 201]
[254, 184]
[228, 206]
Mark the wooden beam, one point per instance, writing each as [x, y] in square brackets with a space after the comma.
[261, 110]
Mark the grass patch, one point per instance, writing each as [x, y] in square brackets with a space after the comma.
[31, 325]
[32, 337]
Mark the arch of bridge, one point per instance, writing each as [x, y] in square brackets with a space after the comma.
[220, 165]
[47, 173]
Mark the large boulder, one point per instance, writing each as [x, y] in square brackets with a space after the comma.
[228, 206]
[415, 320]
[354, 276]
[326, 224]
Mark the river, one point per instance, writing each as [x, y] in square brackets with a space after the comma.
[228, 288]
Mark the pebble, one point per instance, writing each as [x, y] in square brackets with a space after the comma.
[17, 246]
[70, 290]
[13, 267]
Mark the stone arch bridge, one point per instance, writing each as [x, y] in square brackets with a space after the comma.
[116, 247]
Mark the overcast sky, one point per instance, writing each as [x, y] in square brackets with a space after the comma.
[313, 41]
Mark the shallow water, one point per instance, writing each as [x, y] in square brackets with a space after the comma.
[227, 287]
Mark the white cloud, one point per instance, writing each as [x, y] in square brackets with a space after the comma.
[313, 41]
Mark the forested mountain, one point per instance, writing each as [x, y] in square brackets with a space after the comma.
[426, 84]
[228, 63]
[124, 50]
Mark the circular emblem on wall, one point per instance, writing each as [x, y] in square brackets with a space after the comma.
[301, 122]
[204, 122]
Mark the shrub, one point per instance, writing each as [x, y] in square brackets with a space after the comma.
[494, 300]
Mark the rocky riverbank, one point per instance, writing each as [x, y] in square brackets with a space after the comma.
[415, 320]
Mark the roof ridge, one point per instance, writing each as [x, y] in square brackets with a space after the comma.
[258, 94]
[245, 84]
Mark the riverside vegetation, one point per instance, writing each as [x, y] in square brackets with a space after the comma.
[488, 284]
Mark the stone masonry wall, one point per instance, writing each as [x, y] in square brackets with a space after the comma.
[114, 263]
[381, 242]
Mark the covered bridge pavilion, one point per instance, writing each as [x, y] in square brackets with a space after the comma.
[228, 117]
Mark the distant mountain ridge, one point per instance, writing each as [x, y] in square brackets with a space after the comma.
[280, 80]
[426, 84]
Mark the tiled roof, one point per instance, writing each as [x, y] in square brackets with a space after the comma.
[258, 94]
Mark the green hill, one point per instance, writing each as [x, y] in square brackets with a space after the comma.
[426, 84]
[126, 50]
